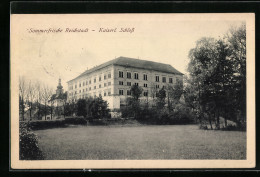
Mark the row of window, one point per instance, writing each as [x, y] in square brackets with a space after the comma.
[136, 76]
[128, 92]
[106, 93]
[89, 82]
[129, 83]
[95, 87]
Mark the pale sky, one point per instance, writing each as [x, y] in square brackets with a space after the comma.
[165, 38]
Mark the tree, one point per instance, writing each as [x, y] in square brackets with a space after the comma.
[161, 99]
[47, 93]
[216, 85]
[99, 108]
[31, 95]
[203, 69]
[174, 94]
[22, 95]
[236, 38]
[136, 92]
[38, 98]
[134, 101]
[64, 102]
[82, 107]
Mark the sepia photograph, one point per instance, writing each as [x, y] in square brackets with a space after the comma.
[98, 91]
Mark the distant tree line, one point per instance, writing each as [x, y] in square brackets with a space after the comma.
[89, 107]
[166, 107]
[216, 85]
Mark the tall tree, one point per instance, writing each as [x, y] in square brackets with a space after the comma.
[236, 38]
[22, 95]
[31, 95]
[47, 93]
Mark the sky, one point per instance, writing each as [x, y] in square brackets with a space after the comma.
[165, 38]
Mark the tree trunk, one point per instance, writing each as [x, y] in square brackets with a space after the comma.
[51, 112]
[217, 119]
[22, 109]
[45, 110]
[31, 111]
[225, 122]
[210, 123]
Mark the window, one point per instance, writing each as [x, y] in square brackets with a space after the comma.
[109, 75]
[121, 74]
[145, 77]
[128, 92]
[121, 92]
[128, 83]
[109, 92]
[128, 75]
[89, 81]
[136, 84]
[86, 82]
[95, 87]
[164, 79]
[105, 77]
[94, 94]
[99, 78]
[105, 93]
[83, 83]
[89, 88]
[109, 83]
[163, 86]
[95, 80]
[145, 85]
[99, 95]
[86, 89]
[157, 86]
[157, 79]
[75, 92]
[136, 75]
[145, 93]
[121, 83]
[170, 80]
[75, 86]
[105, 84]
[99, 85]
[79, 84]
[79, 91]
[83, 90]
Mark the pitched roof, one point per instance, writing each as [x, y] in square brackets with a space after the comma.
[135, 63]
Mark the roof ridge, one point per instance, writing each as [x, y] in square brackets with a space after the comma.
[143, 64]
[145, 60]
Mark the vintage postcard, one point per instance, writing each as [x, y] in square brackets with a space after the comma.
[132, 91]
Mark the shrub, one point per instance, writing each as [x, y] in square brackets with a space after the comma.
[231, 127]
[203, 127]
[28, 144]
[37, 125]
[126, 112]
[75, 121]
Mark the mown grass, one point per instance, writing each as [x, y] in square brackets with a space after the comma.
[141, 142]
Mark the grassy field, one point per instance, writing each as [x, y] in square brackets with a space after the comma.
[141, 142]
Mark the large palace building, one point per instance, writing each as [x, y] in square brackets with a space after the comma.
[113, 80]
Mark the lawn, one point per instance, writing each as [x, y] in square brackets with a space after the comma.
[141, 142]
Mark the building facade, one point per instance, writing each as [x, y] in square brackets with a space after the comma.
[113, 80]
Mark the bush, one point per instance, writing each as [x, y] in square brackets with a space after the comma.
[231, 127]
[126, 112]
[37, 125]
[203, 127]
[75, 121]
[28, 144]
